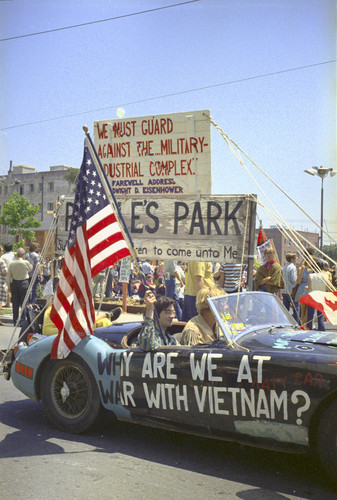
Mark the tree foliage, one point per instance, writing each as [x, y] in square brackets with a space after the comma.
[331, 250]
[18, 214]
[71, 175]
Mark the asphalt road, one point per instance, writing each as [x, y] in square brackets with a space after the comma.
[123, 461]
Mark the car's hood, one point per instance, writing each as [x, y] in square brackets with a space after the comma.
[285, 338]
[314, 337]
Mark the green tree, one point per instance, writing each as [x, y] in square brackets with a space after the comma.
[331, 250]
[18, 214]
[71, 175]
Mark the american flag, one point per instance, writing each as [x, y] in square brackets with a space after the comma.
[95, 242]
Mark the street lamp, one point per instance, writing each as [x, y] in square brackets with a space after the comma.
[322, 172]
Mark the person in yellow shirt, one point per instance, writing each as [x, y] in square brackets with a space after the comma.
[49, 328]
[198, 276]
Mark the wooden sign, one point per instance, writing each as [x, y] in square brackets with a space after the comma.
[216, 228]
[212, 228]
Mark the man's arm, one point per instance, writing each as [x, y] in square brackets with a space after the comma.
[221, 280]
[261, 278]
[148, 338]
[199, 281]
[9, 276]
[176, 275]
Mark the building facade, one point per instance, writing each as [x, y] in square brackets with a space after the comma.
[284, 245]
[40, 188]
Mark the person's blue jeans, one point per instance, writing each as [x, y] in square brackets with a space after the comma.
[311, 312]
[190, 308]
[32, 299]
[171, 292]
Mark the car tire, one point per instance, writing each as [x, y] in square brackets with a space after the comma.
[69, 394]
[327, 441]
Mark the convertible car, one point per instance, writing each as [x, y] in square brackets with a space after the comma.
[262, 382]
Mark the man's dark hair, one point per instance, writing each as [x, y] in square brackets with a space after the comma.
[8, 247]
[163, 303]
[290, 256]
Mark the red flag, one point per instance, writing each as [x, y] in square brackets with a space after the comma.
[95, 242]
[261, 238]
[325, 302]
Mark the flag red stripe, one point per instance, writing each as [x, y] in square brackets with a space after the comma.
[82, 261]
[103, 223]
[104, 244]
[110, 261]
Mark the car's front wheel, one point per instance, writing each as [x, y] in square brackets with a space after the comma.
[69, 394]
[327, 440]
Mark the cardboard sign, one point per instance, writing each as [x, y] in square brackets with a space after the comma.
[124, 271]
[164, 155]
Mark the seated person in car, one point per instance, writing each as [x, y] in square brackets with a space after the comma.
[101, 319]
[150, 338]
[202, 329]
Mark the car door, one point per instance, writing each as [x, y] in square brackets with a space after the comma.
[170, 387]
[250, 397]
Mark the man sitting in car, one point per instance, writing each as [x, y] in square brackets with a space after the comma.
[202, 329]
[150, 337]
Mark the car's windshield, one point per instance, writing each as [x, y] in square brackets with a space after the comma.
[239, 313]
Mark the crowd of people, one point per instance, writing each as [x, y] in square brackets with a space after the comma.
[203, 280]
[178, 281]
[294, 281]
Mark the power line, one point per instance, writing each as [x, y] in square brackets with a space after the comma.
[96, 22]
[171, 95]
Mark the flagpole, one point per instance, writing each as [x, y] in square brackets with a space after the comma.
[114, 203]
[111, 195]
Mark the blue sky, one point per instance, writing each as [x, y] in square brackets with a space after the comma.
[209, 54]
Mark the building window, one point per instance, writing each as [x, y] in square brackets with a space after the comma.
[50, 207]
[50, 186]
[31, 188]
[40, 187]
[5, 189]
[21, 190]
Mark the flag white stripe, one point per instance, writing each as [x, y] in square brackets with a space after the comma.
[103, 234]
[104, 254]
[102, 214]
[61, 311]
